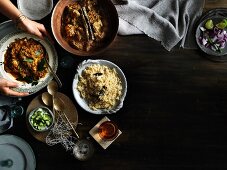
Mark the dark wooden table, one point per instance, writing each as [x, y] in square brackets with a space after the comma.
[174, 115]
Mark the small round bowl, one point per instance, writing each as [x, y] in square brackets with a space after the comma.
[33, 10]
[41, 119]
[83, 103]
[216, 19]
[112, 19]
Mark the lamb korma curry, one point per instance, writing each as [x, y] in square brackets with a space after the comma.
[24, 60]
[84, 26]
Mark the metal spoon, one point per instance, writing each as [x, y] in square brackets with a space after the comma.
[52, 87]
[53, 73]
[47, 99]
[60, 106]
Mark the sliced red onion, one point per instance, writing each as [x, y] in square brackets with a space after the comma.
[214, 39]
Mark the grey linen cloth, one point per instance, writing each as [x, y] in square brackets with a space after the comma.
[168, 21]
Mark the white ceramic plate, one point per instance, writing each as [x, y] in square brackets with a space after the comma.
[7, 27]
[23, 86]
[17, 150]
[82, 102]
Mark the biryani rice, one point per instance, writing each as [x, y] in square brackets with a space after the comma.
[100, 86]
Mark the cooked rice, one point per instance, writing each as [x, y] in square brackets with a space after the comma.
[100, 86]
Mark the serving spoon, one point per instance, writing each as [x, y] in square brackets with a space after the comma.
[47, 99]
[48, 96]
[53, 73]
[52, 87]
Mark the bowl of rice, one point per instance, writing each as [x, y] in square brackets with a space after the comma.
[99, 86]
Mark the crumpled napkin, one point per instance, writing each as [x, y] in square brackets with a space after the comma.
[168, 21]
[6, 122]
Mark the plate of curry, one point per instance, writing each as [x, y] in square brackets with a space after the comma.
[22, 61]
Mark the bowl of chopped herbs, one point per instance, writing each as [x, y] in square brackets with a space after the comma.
[41, 119]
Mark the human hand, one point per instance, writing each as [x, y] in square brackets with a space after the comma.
[5, 88]
[33, 27]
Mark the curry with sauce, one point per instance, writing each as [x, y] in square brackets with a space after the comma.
[84, 26]
[24, 60]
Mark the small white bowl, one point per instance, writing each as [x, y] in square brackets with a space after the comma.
[47, 111]
[82, 102]
[35, 9]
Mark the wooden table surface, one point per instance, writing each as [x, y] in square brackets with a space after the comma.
[174, 115]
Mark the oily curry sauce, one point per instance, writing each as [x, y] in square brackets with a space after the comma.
[84, 26]
[24, 60]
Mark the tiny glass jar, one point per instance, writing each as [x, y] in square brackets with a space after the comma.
[108, 130]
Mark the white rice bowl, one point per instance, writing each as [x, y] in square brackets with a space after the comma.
[112, 79]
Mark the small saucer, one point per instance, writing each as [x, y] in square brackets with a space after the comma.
[16, 153]
[13, 153]
[206, 50]
[94, 133]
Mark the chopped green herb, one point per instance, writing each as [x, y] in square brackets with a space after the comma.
[41, 65]
[34, 83]
[38, 52]
[29, 60]
[41, 119]
[28, 79]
